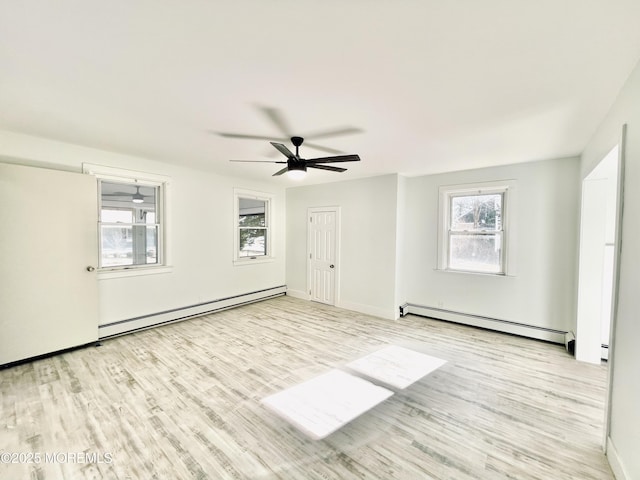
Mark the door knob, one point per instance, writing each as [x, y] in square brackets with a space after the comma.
[90, 268]
[331, 266]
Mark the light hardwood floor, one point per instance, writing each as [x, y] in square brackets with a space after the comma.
[183, 401]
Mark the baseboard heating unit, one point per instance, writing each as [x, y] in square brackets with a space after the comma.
[505, 326]
[129, 325]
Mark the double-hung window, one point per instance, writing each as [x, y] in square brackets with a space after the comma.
[473, 228]
[130, 227]
[132, 220]
[252, 226]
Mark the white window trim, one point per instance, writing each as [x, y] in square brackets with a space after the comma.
[270, 254]
[508, 188]
[123, 175]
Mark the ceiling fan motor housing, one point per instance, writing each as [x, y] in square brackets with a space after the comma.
[296, 164]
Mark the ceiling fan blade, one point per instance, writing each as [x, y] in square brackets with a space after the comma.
[257, 161]
[322, 148]
[334, 133]
[327, 167]
[280, 172]
[338, 158]
[284, 150]
[249, 137]
[277, 119]
[123, 195]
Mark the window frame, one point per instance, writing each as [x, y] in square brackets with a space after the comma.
[506, 188]
[132, 224]
[269, 250]
[163, 252]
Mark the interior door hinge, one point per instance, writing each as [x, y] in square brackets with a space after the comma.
[310, 256]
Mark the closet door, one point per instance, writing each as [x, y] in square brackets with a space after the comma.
[323, 246]
[48, 254]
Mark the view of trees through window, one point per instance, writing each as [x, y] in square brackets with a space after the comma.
[252, 227]
[475, 233]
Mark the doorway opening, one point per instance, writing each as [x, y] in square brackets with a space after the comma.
[598, 256]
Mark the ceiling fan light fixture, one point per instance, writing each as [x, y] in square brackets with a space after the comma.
[137, 197]
[297, 172]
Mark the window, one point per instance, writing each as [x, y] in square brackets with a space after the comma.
[473, 234]
[132, 220]
[252, 226]
[129, 231]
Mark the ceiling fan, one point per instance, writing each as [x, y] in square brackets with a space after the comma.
[297, 167]
[279, 121]
[136, 197]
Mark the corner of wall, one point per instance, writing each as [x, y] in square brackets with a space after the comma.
[297, 294]
[615, 462]
[385, 313]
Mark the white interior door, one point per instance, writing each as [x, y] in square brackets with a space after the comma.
[49, 296]
[323, 257]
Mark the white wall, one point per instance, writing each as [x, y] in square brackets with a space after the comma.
[624, 353]
[367, 241]
[202, 232]
[542, 291]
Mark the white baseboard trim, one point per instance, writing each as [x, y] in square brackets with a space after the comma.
[615, 463]
[389, 314]
[177, 314]
[505, 326]
[298, 294]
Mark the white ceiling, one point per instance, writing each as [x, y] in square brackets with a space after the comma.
[434, 85]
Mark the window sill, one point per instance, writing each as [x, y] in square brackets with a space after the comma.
[252, 261]
[468, 272]
[133, 272]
